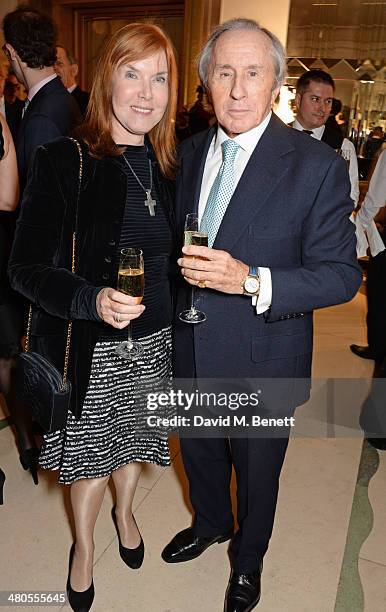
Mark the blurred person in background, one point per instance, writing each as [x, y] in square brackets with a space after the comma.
[13, 106]
[313, 100]
[9, 340]
[49, 110]
[374, 142]
[370, 223]
[200, 114]
[9, 183]
[66, 66]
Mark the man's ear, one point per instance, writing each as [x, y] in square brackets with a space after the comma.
[275, 94]
[297, 100]
[12, 51]
[75, 70]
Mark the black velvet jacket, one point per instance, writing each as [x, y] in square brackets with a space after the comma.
[40, 263]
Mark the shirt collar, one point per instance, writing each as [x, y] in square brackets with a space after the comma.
[247, 140]
[35, 88]
[71, 89]
[316, 132]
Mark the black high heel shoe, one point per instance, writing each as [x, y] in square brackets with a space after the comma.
[80, 601]
[29, 458]
[2, 481]
[133, 557]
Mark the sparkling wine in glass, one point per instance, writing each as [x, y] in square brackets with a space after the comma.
[131, 280]
[193, 236]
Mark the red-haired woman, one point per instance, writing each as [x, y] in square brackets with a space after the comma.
[128, 149]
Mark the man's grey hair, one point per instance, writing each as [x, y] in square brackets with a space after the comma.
[277, 49]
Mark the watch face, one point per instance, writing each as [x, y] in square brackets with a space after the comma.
[252, 284]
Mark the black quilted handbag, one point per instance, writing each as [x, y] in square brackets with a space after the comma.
[41, 387]
[43, 390]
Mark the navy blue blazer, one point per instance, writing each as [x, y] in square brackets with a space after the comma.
[13, 113]
[51, 113]
[81, 97]
[289, 212]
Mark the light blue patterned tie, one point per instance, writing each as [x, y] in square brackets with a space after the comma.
[26, 104]
[221, 192]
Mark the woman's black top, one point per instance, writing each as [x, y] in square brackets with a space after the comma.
[153, 236]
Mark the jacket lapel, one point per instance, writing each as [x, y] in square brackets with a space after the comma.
[267, 166]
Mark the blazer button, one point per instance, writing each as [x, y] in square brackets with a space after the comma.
[108, 259]
[105, 277]
[111, 243]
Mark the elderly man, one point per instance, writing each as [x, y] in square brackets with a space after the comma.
[276, 204]
[314, 97]
[66, 67]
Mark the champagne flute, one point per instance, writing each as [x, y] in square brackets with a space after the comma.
[193, 236]
[131, 280]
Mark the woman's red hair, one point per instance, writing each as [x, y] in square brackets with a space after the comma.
[131, 43]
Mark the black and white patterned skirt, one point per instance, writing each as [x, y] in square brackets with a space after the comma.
[112, 430]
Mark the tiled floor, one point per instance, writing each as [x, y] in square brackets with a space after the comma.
[304, 563]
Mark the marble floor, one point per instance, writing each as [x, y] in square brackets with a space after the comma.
[327, 553]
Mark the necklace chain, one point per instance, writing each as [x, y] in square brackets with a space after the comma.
[147, 191]
[150, 203]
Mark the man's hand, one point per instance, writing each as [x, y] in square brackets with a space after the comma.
[117, 308]
[218, 269]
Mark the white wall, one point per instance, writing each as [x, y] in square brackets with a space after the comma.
[273, 15]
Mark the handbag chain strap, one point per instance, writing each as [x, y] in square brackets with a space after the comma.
[73, 262]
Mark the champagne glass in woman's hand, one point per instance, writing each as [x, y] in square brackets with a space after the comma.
[131, 281]
[192, 236]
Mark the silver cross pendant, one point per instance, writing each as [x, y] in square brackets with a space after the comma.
[150, 203]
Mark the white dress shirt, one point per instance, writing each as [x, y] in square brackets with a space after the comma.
[366, 230]
[349, 154]
[35, 88]
[2, 106]
[247, 141]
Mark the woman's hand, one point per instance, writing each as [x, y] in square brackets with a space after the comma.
[116, 308]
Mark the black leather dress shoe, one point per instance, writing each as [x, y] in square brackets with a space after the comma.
[243, 592]
[186, 545]
[363, 351]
